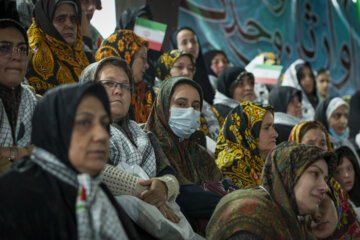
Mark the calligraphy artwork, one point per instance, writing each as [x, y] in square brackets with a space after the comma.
[324, 33]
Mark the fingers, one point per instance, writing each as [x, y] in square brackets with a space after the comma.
[146, 182]
[169, 214]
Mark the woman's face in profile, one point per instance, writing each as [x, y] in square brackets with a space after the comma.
[89, 143]
[311, 187]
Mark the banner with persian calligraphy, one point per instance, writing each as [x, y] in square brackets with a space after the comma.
[324, 33]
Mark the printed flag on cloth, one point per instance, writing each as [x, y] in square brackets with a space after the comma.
[268, 74]
[152, 31]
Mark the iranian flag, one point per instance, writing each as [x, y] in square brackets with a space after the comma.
[152, 31]
[268, 74]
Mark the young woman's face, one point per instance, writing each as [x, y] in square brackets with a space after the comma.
[185, 96]
[117, 86]
[307, 81]
[183, 66]
[311, 187]
[327, 219]
[339, 119]
[244, 90]
[188, 42]
[89, 143]
[345, 174]
[140, 64]
[268, 135]
[315, 137]
[219, 63]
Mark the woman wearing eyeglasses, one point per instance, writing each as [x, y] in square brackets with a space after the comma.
[135, 154]
[17, 102]
[133, 49]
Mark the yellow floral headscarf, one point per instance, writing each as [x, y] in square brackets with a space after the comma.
[237, 154]
[122, 43]
[53, 61]
[166, 62]
[296, 130]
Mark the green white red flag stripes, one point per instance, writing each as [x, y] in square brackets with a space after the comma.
[152, 31]
[268, 74]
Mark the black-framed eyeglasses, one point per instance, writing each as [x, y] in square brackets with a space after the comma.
[112, 85]
[7, 48]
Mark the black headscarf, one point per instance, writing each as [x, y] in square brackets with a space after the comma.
[44, 12]
[320, 112]
[8, 9]
[54, 117]
[345, 151]
[280, 97]
[208, 57]
[200, 76]
[128, 17]
[354, 114]
[226, 78]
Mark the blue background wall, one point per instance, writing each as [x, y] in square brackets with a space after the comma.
[322, 32]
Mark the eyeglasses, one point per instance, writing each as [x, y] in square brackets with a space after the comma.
[7, 48]
[112, 85]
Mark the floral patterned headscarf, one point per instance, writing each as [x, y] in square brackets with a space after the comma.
[125, 44]
[295, 132]
[237, 154]
[166, 62]
[53, 61]
[122, 43]
[347, 225]
[270, 211]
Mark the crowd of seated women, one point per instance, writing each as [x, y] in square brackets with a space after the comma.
[97, 142]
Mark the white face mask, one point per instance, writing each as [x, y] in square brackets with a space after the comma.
[184, 121]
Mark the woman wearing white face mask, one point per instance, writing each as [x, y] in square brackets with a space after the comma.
[180, 63]
[174, 119]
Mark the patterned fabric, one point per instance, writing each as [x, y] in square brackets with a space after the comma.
[141, 102]
[125, 44]
[210, 119]
[348, 227]
[53, 62]
[269, 211]
[166, 62]
[23, 122]
[190, 158]
[237, 154]
[295, 133]
[11, 99]
[96, 37]
[96, 217]
[123, 150]
[122, 43]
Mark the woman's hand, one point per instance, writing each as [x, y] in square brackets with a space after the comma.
[156, 194]
[169, 214]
